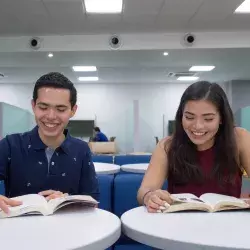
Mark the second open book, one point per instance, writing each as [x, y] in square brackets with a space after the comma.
[207, 202]
[37, 204]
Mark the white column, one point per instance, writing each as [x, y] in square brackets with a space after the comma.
[136, 127]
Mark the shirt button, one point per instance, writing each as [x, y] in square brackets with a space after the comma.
[40, 163]
[28, 184]
[63, 174]
[52, 163]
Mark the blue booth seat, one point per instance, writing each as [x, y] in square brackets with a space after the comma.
[136, 246]
[125, 198]
[102, 158]
[2, 191]
[125, 192]
[106, 183]
[131, 159]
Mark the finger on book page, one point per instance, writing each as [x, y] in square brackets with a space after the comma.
[13, 203]
[165, 196]
[4, 207]
[156, 199]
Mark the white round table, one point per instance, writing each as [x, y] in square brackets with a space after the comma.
[82, 229]
[188, 230]
[106, 168]
[135, 168]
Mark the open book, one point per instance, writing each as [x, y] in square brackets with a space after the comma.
[37, 204]
[208, 202]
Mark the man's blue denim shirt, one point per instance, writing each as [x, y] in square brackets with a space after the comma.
[25, 169]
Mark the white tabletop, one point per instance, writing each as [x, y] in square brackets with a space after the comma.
[135, 168]
[106, 168]
[188, 230]
[89, 229]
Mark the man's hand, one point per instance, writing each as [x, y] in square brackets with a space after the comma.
[52, 194]
[6, 202]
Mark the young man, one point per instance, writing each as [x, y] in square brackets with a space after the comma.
[47, 160]
[99, 136]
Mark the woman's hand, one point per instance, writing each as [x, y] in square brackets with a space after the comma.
[157, 200]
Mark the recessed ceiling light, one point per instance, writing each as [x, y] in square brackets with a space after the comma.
[101, 6]
[244, 7]
[84, 68]
[201, 68]
[88, 78]
[187, 78]
[50, 55]
[165, 53]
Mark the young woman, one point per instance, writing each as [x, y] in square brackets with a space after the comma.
[206, 153]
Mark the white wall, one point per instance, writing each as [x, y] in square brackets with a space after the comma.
[112, 105]
[240, 94]
[18, 95]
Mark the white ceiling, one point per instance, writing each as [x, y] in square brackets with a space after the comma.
[127, 66]
[44, 17]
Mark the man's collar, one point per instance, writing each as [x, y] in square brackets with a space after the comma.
[38, 144]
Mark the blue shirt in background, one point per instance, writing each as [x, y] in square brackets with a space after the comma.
[26, 168]
[100, 137]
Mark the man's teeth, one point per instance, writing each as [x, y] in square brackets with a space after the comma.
[50, 125]
[199, 134]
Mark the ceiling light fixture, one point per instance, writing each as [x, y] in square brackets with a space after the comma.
[201, 68]
[84, 68]
[104, 7]
[165, 53]
[88, 78]
[244, 7]
[50, 55]
[187, 78]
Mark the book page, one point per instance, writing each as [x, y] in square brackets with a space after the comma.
[63, 201]
[185, 201]
[31, 203]
[213, 199]
[186, 198]
[30, 200]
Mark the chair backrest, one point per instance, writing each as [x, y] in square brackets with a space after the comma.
[131, 159]
[103, 158]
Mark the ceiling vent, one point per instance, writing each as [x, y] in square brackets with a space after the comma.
[181, 74]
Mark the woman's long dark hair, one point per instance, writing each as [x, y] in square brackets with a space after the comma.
[182, 153]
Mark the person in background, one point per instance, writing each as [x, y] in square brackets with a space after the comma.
[206, 153]
[99, 136]
[47, 160]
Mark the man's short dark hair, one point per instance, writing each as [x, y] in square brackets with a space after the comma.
[97, 129]
[58, 81]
